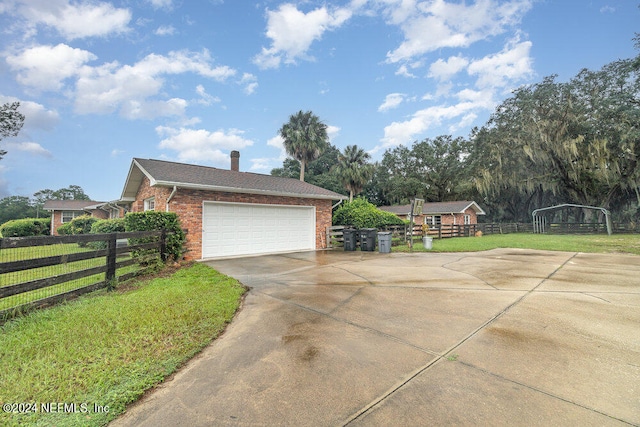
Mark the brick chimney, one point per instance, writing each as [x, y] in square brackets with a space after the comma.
[235, 160]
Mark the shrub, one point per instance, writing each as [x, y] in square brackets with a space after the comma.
[78, 225]
[101, 226]
[26, 227]
[152, 220]
[362, 214]
[106, 226]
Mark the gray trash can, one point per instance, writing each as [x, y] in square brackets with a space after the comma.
[384, 242]
[427, 242]
[367, 239]
[350, 241]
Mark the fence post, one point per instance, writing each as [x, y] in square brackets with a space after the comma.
[163, 245]
[111, 260]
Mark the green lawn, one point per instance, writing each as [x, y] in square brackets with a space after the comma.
[617, 243]
[108, 348]
[34, 252]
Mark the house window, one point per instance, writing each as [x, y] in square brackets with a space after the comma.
[150, 204]
[467, 219]
[435, 220]
[67, 216]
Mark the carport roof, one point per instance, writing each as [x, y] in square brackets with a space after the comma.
[196, 177]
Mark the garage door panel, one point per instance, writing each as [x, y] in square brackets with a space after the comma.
[247, 229]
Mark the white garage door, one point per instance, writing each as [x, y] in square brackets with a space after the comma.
[246, 229]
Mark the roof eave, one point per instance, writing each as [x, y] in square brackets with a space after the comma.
[132, 186]
[192, 186]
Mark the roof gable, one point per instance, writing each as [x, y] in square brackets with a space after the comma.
[182, 175]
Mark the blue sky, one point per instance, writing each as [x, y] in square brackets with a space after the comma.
[103, 82]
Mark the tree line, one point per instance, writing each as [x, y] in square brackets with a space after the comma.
[548, 143]
[18, 207]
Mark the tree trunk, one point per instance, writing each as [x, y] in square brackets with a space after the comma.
[302, 167]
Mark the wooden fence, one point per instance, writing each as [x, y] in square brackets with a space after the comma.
[41, 271]
[401, 233]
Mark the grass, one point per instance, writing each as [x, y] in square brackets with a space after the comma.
[34, 252]
[617, 243]
[107, 349]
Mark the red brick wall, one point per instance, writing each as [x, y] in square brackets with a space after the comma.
[56, 219]
[188, 205]
[458, 219]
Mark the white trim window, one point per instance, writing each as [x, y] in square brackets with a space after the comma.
[467, 219]
[67, 216]
[435, 220]
[150, 204]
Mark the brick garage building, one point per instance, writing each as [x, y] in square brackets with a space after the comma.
[229, 212]
[440, 213]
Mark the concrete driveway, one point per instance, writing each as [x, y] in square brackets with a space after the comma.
[503, 337]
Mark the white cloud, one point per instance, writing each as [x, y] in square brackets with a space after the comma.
[110, 87]
[165, 30]
[29, 147]
[201, 145]
[262, 164]
[205, 98]
[134, 110]
[278, 143]
[391, 101]
[333, 132]
[292, 32]
[513, 63]
[404, 71]
[250, 83]
[47, 67]
[36, 116]
[161, 4]
[76, 20]
[436, 24]
[407, 131]
[444, 70]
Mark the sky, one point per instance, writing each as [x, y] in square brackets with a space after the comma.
[103, 82]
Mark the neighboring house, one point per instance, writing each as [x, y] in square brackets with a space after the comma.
[438, 213]
[232, 213]
[63, 211]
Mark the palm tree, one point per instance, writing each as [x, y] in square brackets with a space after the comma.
[354, 169]
[305, 137]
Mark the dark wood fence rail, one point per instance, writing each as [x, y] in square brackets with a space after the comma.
[111, 252]
[335, 239]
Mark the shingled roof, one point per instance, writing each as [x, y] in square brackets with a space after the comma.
[436, 208]
[182, 175]
[71, 205]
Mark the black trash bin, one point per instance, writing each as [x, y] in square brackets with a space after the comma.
[350, 236]
[367, 239]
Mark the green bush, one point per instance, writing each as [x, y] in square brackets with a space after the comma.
[115, 225]
[26, 227]
[152, 220]
[78, 225]
[103, 226]
[362, 214]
